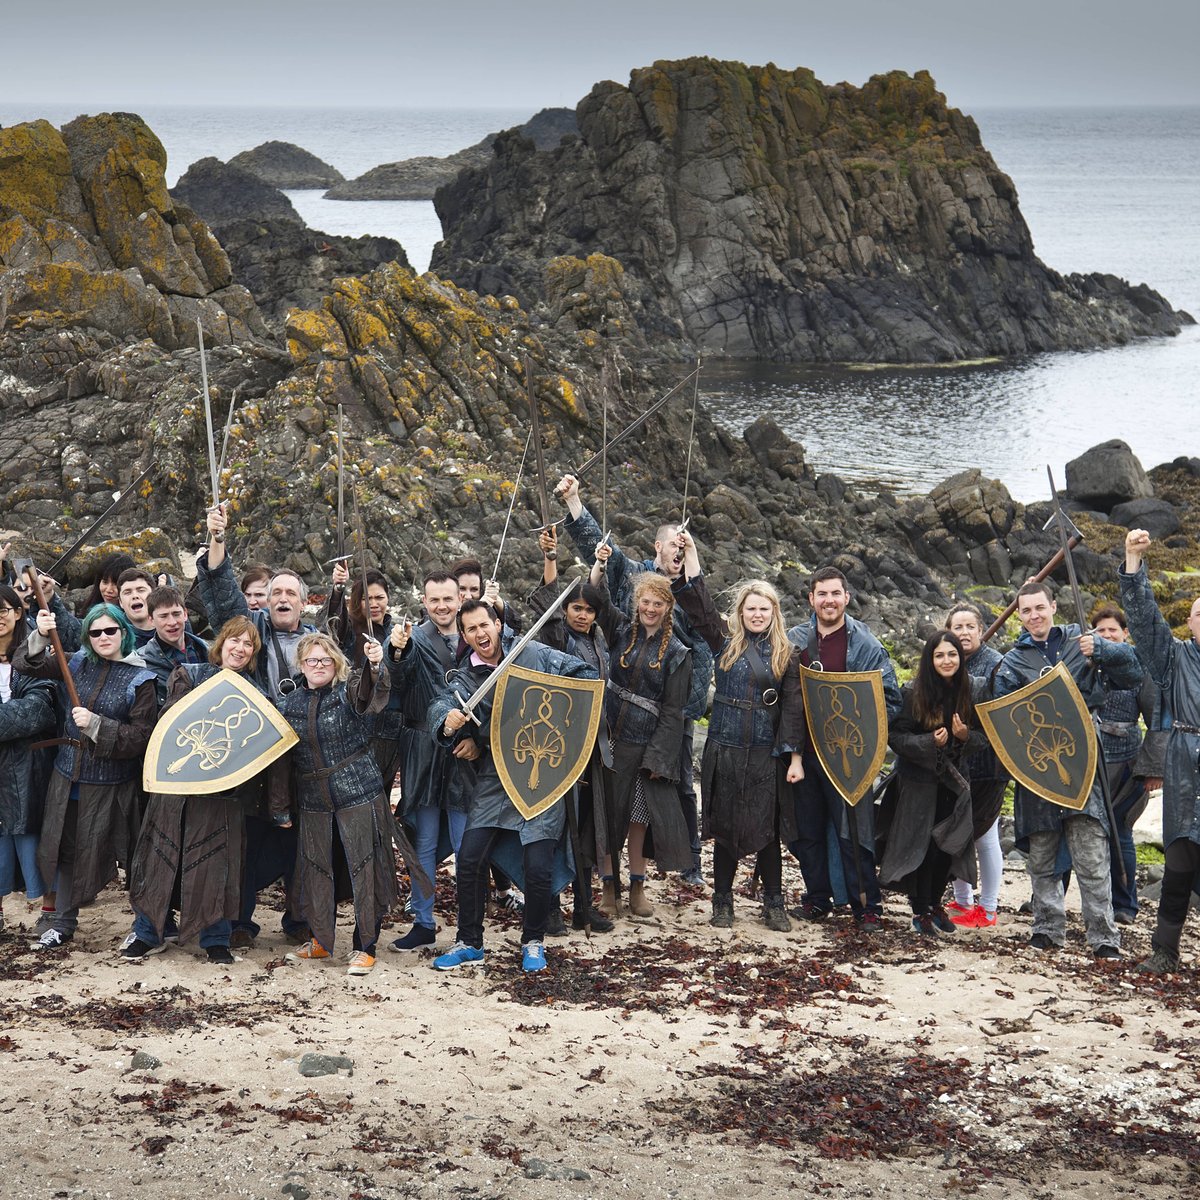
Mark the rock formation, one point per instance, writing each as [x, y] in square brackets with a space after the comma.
[419, 178]
[760, 213]
[431, 377]
[271, 249]
[283, 165]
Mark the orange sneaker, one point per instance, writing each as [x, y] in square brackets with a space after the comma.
[361, 963]
[310, 949]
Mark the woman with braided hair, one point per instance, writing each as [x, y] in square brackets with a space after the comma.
[650, 671]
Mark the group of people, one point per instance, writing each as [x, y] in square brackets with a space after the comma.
[377, 702]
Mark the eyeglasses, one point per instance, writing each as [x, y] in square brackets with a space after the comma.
[5, 611]
[318, 662]
[111, 631]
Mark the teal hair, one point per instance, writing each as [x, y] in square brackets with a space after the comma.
[128, 641]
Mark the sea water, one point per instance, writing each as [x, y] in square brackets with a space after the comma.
[1112, 190]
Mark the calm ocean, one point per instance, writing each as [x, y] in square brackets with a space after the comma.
[1114, 190]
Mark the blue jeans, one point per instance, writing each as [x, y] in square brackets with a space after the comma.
[216, 934]
[428, 823]
[20, 848]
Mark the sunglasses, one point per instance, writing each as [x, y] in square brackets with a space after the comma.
[110, 631]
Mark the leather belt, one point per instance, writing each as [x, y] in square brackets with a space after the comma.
[325, 772]
[651, 706]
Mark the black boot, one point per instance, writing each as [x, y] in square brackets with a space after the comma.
[775, 915]
[722, 910]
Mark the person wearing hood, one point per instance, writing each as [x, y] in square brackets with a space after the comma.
[1096, 666]
[90, 825]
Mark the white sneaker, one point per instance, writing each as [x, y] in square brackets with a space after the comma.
[51, 940]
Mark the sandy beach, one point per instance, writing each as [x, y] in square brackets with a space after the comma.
[665, 1059]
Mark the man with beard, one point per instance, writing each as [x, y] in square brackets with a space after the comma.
[839, 643]
[668, 561]
[270, 849]
[435, 780]
[494, 818]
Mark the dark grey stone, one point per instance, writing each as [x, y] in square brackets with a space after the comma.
[143, 1060]
[1157, 517]
[1107, 475]
[538, 1168]
[312, 1065]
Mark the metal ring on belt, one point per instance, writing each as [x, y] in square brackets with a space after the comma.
[770, 697]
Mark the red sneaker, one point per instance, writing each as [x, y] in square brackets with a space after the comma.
[963, 916]
[956, 910]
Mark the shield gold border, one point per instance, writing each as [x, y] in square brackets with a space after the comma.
[203, 787]
[1018, 771]
[809, 677]
[596, 686]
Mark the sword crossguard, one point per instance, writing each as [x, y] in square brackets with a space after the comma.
[468, 710]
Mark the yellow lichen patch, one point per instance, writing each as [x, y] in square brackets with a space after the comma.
[35, 171]
[309, 332]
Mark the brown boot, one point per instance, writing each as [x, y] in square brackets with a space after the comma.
[608, 901]
[639, 906]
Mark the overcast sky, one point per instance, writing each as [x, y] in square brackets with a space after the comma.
[532, 53]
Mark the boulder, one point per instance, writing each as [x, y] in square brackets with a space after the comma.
[765, 214]
[1107, 475]
[1157, 517]
[419, 178]
[284, 165]
[222, 193]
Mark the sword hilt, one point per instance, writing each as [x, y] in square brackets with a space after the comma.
[466, 708]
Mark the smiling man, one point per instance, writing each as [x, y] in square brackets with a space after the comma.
[173, 641]
[838, 642]
[1096, 667]
[493, 816]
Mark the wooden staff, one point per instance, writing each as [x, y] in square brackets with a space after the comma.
[1048, 569]
[68, 679]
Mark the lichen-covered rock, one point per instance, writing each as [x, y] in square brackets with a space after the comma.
[285, 165]
[769, 215]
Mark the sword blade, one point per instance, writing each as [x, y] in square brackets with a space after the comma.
[604, 385]
[512, 501]
[208, 423]
[65, 558]
[225, 439]
[633, 426]
[494, 678]
[361, 534]
[341, 514]
[687, 474]
[1061, 522]
[535, 428]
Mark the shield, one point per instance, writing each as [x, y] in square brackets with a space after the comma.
[847, 721]
[1043, 734]
[219, 735]
[543, 729]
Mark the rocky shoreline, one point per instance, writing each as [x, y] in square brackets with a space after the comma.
[103, 273]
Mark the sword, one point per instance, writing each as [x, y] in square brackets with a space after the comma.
[208, 425]
[63, 662]
[1047, 570]
[535, 432]
[516, 488]
[340, 546]
[361, 534]
[1114, 836]
[687, 474]
[468, 706]
[604, 386]
[74, 549]
[632, 427]
[228, 422]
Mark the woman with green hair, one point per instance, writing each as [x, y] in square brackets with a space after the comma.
[90, 825]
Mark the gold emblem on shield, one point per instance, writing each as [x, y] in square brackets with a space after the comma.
[847, 723]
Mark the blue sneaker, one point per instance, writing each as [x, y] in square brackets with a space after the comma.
[533, 957]
[459, 955]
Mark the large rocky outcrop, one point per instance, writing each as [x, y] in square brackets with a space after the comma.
[419, 178]
[271, 250]
[761, 213]
[284, 165]
[92, 245]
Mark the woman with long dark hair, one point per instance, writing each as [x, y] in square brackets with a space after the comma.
[926, 827]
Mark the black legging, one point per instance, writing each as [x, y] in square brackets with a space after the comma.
[1181, 873]
[769, 863]
[927, 883]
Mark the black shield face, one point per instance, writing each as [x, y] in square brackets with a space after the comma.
[1044, 735]
[543, 728]
[847, 721]
[221, 734]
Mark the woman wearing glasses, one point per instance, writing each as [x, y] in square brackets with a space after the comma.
[189, 853]
[345, 850]
[91, 821]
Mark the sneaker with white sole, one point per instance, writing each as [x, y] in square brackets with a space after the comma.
[137, 949]
[533, 957]
[361, 963]
[459, 955]
[52, 939]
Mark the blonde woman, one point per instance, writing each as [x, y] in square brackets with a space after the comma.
[345, 850]
[756, 725]
[650, 671]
